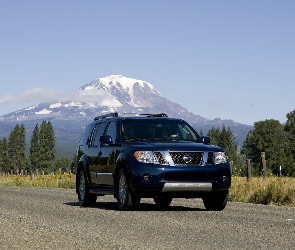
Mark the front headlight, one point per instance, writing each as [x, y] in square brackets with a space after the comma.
[145, 156]
[219, 158]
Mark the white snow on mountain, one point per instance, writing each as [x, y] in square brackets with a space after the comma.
[109, 81]
[55, 105]
[73, 104]
[115, 93]
[118, 85]
[43, 112]
[32, 107]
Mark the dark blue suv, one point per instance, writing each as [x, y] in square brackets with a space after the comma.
[149, 156]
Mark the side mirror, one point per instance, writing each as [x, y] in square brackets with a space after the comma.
[106, 139]
[206, 139]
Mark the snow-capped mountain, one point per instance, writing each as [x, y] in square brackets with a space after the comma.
[72, 113]
[104, 95]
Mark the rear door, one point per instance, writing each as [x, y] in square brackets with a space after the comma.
[93, 151]
[107, 156]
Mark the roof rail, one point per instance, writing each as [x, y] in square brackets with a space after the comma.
[116, 115]
[106, 115]
[155, 115]
[148, 115]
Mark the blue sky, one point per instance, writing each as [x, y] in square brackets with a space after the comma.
[219, 59]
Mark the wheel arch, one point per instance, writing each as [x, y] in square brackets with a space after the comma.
[120, 165]
[82, 164]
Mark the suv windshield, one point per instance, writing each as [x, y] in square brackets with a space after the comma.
[157, 129]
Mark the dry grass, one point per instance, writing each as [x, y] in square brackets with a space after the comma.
[66, 180]
[268, 191]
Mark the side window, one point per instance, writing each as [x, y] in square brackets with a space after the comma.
[100, 127]
[92, 135]
[84, 140]
[111, 130]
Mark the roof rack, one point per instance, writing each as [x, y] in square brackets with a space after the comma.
[155, 115]
[106, 115]
[148, 115]
[116, 115]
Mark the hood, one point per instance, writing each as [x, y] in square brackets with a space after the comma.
[174, 146]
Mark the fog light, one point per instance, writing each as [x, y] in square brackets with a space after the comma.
[146, 177]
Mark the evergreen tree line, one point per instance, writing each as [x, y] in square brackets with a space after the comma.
[41, 155]
[270, 136]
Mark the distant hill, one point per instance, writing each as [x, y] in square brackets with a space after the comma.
[105, 95]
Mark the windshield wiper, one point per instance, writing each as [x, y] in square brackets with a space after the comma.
[135, 139]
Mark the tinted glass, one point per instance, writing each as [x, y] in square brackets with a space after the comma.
[158, 129]
[84, 140]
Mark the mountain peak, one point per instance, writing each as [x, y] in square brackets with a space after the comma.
[120, 81]
[114, 93]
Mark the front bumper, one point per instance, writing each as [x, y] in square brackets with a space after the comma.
[148, 180]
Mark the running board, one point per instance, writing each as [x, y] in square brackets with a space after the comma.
[101, 191]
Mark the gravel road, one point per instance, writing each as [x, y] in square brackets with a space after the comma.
[35, 218]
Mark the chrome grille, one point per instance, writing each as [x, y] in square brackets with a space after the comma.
[161, 158]
[187, 158]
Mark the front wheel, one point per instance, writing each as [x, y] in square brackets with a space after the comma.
[85, 198]
[215, 201]
[126, 200]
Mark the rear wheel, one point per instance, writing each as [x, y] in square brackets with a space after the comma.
[84, 197]
[163, 201]
[126, 200]
[215, 201]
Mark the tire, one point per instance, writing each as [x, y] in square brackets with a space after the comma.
[162, 201]
[85, 198]
[216, 201]
[126, 200]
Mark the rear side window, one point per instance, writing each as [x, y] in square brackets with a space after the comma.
[86, 135]
[100, 128]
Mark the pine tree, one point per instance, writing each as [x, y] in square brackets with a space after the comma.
[51, 141]
[17, 148]
[47, 146]
[22, 147]
[12, 148]
[289, 128]
[35, 150]
[1, 156]
[5, 160]
[225, 138]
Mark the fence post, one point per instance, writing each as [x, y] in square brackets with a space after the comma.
[59, 173]
[280, 171]
[248, 170]
[231, 163]
[263, 164]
